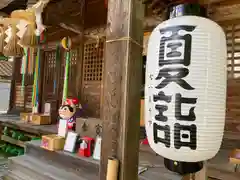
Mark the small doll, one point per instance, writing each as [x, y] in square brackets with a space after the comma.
[67, 112]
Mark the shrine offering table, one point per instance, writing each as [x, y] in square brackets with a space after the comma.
[235, 159]
[13, 121]
[15, 133]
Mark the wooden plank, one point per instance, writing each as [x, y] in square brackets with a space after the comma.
[33, 129]
[70, 161]
[91, 93]
[13, 141]
[232, 127]
[15, 84]
[35, 167]
[222, 175]
[122, 84]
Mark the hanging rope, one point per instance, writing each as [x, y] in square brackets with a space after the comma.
[37, 90]
[66, 44]
[24, 68]
[31, 60]
[65, 86]
[36, 78]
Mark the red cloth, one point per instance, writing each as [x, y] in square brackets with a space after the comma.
[145, 141]
[106, 3]
[71, 101]
[75, 101]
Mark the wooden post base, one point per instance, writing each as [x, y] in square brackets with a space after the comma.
[235, 159]
[201, 175]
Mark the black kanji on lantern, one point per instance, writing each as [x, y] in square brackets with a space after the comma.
[179, 100]
[162, 97]
[185, 135]
[180, 73]
[175, 47]
[174, 59]
[164, 129]
[161, 108]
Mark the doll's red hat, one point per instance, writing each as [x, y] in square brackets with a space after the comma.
[71, 101]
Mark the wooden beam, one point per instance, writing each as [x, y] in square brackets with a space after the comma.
[64, 11]
[214, 173]
[122, 84]
[219, 3]
[229, 22]
[55, 19]
[59, 35]
[71, 27]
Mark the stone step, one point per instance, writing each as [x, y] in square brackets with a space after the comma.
[30, 168]
[68, 161]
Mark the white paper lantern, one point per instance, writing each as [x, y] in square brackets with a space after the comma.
[185, 90]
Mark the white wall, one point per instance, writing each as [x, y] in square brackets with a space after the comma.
[4, 96]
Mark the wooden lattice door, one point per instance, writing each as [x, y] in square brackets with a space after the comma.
[233, 51]
[92, 78]
[18, 95]
[233, 86]
[22, 95]
[50, 91]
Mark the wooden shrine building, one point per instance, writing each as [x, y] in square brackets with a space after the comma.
[106, 62]
[86, 26]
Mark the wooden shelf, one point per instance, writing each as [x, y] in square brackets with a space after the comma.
[13, 141]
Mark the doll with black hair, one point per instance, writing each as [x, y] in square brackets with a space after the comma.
[67, 112]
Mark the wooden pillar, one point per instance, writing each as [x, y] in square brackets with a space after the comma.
[122, 84]
[202, 175]
[13, 84]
